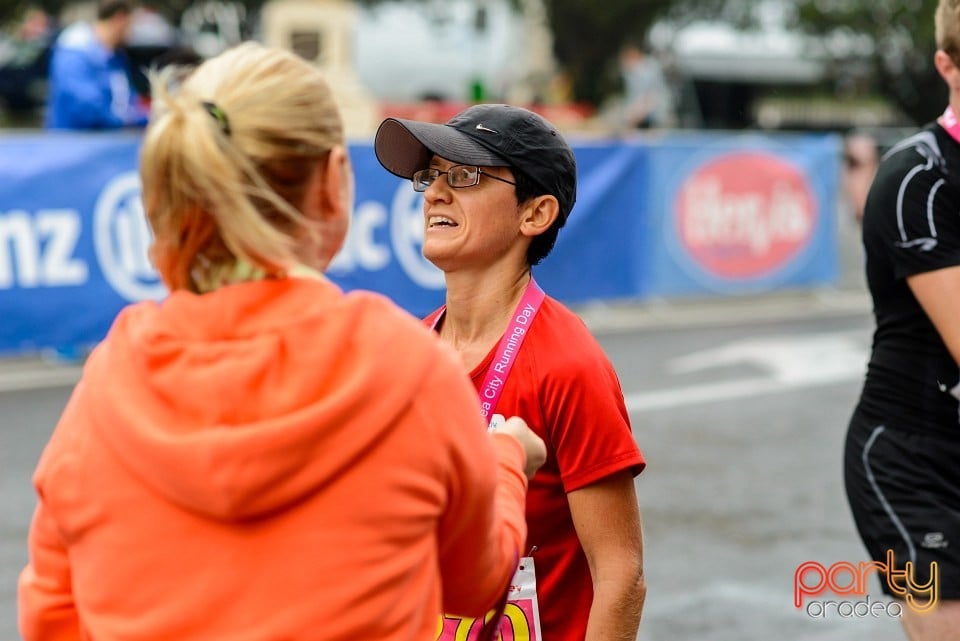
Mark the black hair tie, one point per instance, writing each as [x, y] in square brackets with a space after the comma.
[219, 115]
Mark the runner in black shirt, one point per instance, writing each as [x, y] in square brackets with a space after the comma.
[902, 459]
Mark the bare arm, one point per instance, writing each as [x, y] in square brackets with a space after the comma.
[607, 520]
[938, 292]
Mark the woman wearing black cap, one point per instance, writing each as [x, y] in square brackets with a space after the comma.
[498, 183]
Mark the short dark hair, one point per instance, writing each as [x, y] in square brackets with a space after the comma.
[106, 9]
[543, 244]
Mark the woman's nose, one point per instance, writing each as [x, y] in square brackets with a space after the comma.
[438, 189]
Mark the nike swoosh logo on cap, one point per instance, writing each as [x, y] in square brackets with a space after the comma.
[482, 128]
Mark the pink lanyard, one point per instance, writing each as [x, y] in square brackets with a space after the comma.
[508, 348]
[949, 122]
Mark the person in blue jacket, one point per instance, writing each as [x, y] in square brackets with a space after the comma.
[89, 78]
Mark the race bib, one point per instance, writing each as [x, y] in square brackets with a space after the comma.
[521, 616]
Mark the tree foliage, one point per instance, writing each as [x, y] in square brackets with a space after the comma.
[898, 37]
[878, 47]
[588, 35]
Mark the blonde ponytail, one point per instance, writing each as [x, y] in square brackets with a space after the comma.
[226, 160]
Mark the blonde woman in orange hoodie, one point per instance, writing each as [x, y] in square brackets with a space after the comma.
[261, 456]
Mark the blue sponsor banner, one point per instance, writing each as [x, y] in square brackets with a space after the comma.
[596, 252]
[709, 214]
[71, 225]
[740, 214]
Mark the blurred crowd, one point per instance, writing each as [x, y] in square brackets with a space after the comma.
[140, 38]
[98, 79]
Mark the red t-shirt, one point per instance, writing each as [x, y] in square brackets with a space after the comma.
[565, 388]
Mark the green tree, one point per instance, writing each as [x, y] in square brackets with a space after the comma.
[878, 47]
[895, 37]
[587, 37]
[898, 43]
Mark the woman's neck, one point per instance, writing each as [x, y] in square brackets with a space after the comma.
[479, 309]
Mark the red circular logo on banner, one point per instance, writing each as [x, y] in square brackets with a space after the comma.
[744, 215]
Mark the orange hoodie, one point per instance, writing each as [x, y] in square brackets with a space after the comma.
[274, 460]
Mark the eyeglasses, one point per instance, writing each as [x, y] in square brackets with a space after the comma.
[458, 177]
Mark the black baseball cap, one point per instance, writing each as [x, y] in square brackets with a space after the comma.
[486, 135]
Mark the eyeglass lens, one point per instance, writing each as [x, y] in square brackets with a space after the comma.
[458, 176]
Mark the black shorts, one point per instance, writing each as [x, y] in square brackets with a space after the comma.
[904, 492]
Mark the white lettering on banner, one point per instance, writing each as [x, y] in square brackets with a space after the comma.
[62, 229]
[360, 249]
[17, 236]
[406, 233]
[121, 238]
[405, 226]
[718, 218]
[41, 247]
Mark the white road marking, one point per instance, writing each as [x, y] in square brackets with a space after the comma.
[787, 363]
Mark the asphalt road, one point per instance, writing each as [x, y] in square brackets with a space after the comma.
[740, 411]
[743, 428]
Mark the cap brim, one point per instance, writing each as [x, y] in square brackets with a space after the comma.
[406, 146]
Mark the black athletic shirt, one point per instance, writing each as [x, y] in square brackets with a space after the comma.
[911, 224]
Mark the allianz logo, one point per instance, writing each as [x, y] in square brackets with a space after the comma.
[376, 235]
[122, 238]
[54, 247]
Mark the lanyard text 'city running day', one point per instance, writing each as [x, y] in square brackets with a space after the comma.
[522, 591]
[508, 347]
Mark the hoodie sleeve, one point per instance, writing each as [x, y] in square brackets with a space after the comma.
[483, 527]
[46, 609]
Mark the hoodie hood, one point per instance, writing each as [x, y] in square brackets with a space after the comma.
[242, 401]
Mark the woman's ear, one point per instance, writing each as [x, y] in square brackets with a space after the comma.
[329, 204]
[947, 69]
[538, 215]
[336, 185]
